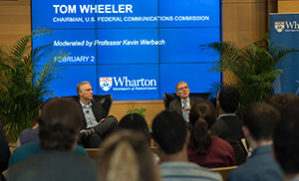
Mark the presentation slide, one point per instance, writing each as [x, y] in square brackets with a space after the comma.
[133, 50]
[129, 46]
[77, 44]
[198, 75]
[67, 77]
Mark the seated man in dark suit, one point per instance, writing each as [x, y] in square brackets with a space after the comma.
[228, 126]
[182, 105]
[95, 125]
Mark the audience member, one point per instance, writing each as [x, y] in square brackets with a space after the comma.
[125, 156]
[59, 131]
[94, 127]
[205, 149]
[31, 134]
[279, 101]
[182, 105]
[259, 120]
[170, 133]
[4, 153]
[228, 126]
[30, 149]
[286, 145]
[290, 97]
[135, 122]
[28, 135]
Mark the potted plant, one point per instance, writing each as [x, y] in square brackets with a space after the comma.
[140, 111]
[251, 68]
[22, 87]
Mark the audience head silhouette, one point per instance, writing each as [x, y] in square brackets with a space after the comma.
[229, 98]
[135, 122]
[59, 124]
[279, 101]
[286, 136]
[169, 131]
[202, 117]
[205, 110]
[260, 119]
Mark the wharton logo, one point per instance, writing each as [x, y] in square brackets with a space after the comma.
[126, 84]
[105, 83]
[287, 26]
[279, 26]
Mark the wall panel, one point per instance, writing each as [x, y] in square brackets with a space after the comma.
[120, 108]
[14, 20]
[243, 21]
[288, 6]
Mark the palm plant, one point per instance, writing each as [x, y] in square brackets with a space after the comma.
[252, 68]
[22, 87]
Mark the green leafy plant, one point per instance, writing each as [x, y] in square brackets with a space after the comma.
[22, 86]
[140, 111]
[252, 67]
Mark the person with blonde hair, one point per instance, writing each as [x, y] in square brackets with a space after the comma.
[125, 156]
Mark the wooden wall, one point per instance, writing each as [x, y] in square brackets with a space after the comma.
[288, 6]
[120, 108]
[14, 20]
[242, 20]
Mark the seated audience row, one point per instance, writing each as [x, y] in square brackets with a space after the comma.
[184, 150]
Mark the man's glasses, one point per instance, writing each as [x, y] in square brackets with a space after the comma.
[181, 88]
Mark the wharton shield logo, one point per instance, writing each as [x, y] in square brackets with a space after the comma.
[279, 26]
[105, 83]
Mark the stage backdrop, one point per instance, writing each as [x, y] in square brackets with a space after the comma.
[131, 49]
[284, 31]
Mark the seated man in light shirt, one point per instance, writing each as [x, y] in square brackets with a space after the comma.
[95, 126]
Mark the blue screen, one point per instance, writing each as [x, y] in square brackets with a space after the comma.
[67, 77]
[133, 50]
